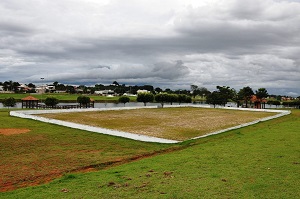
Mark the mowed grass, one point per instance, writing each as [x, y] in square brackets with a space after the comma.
[170, 123]
[48, 151]
[63, 97]
[259, 161]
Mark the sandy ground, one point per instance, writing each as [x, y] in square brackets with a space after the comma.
[13, 131]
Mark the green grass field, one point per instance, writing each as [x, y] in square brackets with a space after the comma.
[62, 97]
[259, 161]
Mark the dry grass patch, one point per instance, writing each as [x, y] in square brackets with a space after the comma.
[13, 131]
[169, 123]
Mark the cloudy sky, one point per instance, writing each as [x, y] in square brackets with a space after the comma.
[169, 43]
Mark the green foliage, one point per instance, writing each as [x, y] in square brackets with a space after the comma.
[261, 93]
[295, 103]
[145, 98]
[215, 98]
[172, 98]
[9, 102]
[124, 99]
[245, 94]
[188, 99]
[225, 93]
[276, 102]
[199, 91]
[51, 101]
[182, 98]
[161, 98]
[83, 100]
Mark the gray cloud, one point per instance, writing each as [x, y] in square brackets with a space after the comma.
[228, 42]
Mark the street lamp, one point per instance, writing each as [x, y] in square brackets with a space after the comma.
[42, 78]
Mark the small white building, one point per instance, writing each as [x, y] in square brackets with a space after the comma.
[105, 92]
[142, 91]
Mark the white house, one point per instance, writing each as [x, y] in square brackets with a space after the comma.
[105, 92]
[142, 91]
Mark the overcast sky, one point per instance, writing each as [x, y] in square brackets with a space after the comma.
[169, 43]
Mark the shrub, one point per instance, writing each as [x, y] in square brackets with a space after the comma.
[9, 102]
[161, 98]
[51, 101]
[145, 98]
[83, 101]
[124, 99]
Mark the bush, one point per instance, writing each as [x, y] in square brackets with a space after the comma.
[83, 100]
[145, 98]
[9, 102]
[124, 99]
[51, 101]
[161, 98]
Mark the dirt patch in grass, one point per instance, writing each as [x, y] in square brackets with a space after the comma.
[13, 131]
[170, 123]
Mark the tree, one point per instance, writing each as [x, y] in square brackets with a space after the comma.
[226, 93]
[246, 94]
[83, 101]
[115, 83]
[182, 98]
[158, 90]
[51, 101]
[236, 98]
[172, 98]
[195, 90]
[145, 98]
[275, 102]
[70, 89]
[261, 94]
[124, 99]
[188, 99]
[9, 102]
[215, 98]
[31, 85]
[55, 84]
[59, 87]
[162, 98]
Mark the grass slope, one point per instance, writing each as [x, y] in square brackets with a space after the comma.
[260, 161]
[48, 151]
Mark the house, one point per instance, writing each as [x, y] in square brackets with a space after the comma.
[142, 91]
[45, 88]
[105, 92]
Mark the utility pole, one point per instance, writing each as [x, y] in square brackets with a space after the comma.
[42, 78]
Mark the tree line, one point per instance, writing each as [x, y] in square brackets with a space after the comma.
[220, 96]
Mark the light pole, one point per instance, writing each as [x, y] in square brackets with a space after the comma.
[42, 78]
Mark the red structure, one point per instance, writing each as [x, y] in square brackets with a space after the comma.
[30, 102]
[258, 103]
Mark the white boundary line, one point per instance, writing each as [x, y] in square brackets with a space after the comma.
[32, 114]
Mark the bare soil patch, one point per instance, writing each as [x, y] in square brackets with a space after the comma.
[13, 131]
[169, 123]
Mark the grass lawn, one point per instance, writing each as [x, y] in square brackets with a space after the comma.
[259, 161]
[169, 123]
[47, 151]
[62, 97]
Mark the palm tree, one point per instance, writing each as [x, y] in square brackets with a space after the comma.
[246, 94]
